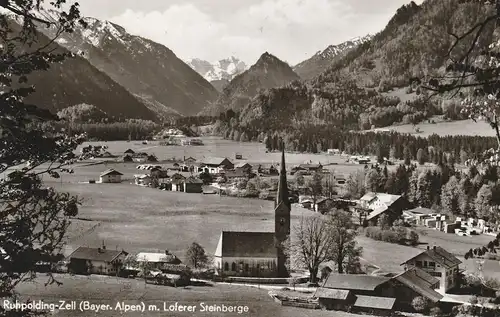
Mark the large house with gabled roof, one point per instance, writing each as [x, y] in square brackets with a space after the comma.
[110, 176]
[439, 263]
[214, 165]
[86, 260]
[258, 254]
[382, 203]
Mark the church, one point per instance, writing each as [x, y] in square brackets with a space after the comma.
[258, 254]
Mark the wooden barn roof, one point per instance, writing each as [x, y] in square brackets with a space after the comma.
[95, 254]
[359, 282]
[375, 302]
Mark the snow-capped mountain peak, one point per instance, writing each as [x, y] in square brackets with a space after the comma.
[224, 69]
[334, 50]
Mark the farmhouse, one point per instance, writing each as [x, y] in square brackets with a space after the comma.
[258, 254]
[381, 203]
[310, 167]
[231, 176]
[157, 260]
[110, 176]
[413, 283]
[193, 185]
[439, 263]
[214, 165]
[189, 160]
[96, 260]
[322, 205]
[243, 166]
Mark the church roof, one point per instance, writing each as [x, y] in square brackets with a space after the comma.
[246, 244]
[282, 196]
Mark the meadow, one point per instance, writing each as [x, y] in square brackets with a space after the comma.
[110, 290]
[460, 127]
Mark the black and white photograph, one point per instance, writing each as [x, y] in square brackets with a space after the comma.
[251, 158]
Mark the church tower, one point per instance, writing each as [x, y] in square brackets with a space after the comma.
[282, 208]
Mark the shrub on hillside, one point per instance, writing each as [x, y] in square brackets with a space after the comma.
[420, 304]
[395, 234]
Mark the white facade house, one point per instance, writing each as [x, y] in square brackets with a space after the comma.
[110, 176]
[439, 263]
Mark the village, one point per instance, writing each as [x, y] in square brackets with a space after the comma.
[251, 258]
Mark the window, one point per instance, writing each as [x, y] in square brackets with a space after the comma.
[233, 267]
[246, 268]
[226, 266]
[425, 263]
[432, 264]
[436, 274]
[419, 263]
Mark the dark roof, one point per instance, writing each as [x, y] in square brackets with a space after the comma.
[420, 210]
[193, 180]
[110, 172]
[421, 282]
[246, 244]
[358, 282]
[242, 164]
[374, 302]
[310, 166]
[129, 151]
[215, 160]
[441, 256]
[96, 254]
[331, 293]
[177, 176]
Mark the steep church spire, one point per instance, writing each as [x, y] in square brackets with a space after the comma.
[282, 195]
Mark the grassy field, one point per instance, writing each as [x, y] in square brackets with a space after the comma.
[106, 290]
[461, 127]
[145, 219]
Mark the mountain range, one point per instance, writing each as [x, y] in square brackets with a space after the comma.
[220, 73]
[320, 61]
[268, 72]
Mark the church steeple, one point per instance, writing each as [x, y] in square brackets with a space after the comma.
[282, 195]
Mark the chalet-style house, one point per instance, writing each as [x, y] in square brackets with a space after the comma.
[129, 152]
[179, 183]
[96, 261]
[258, 254]
[234, 175]
[189, 160]
[377, 295]
[110, 176]
[311, 168]
[238, 156]
[244, 167]
[157, 260]
[323, 205]
[214, 165]
[381, 203]
[439, 263]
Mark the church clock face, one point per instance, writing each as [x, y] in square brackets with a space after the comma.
[282, 221]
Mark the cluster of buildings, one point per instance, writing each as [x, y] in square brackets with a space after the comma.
[428, 275]
[140, 157]
[103, 261]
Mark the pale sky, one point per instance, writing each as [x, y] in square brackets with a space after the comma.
[293, 30]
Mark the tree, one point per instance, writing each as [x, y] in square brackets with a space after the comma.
[315, 186]
[299, 179]
[483, 201]
[407, 155]
[421, 157]
[196, 256]
[372, 180]
[449, 196]
[34, 218]
[355, 185]
[318, 240]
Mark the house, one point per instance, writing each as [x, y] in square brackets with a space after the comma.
[127, 158]
[214, 165]
[193, 185]
[333, 299]
[129, 151]
[258, 254]
[231, 176]
[310, 167]
[110, 176]
[96, 260]
[382, 203]
[358, 284]
[418, 215]
[189, 160]
[439, 263]
[238, 156]
[333, 152]
[140, 157]
[177, 183]
[323, 205]
[415, 283]
[157, 260]
[143, 179]
[243, 166]
[246, 254]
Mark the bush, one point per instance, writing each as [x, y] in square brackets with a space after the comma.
[436, 312]
[420, 304]
[413, 238]
[392, 235]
